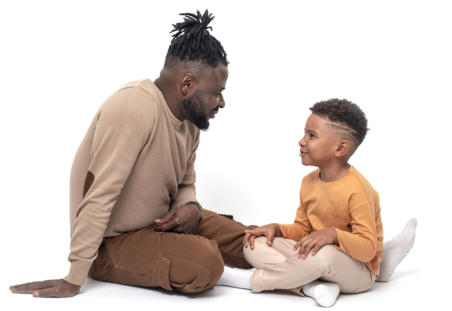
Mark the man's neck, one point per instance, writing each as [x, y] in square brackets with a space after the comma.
[171, 100]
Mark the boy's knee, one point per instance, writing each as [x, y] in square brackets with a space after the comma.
[326, 258]
[258, 244]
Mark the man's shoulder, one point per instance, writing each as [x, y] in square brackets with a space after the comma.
[138, 98]
[140, 90]
[145, 84]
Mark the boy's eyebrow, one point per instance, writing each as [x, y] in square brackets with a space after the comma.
[309, 130]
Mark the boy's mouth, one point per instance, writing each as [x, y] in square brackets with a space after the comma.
[303, 153]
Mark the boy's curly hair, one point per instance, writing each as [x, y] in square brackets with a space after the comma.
[346, 115]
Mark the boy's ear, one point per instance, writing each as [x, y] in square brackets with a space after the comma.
[343, 148]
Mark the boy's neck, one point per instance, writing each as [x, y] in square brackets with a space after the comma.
[334, 171]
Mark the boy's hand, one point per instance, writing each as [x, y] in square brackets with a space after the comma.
[270, 231]
[315, 241]
[50, 288]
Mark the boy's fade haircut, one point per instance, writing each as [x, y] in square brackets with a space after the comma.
[345, 116]
[193, 42]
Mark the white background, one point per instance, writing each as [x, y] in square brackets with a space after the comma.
[60, 59]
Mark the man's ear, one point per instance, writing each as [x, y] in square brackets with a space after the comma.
[343, 148]
[188, 85]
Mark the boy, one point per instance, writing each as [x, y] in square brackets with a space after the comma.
[337, 235]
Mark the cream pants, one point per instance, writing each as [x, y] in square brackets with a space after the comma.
[279, 267]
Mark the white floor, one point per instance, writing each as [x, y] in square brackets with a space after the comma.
[407, 290]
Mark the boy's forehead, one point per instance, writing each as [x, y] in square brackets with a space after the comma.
[315, 121]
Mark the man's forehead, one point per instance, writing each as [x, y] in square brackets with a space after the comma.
[216, 75]
[219, 72]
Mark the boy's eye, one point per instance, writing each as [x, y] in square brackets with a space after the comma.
[311, 135]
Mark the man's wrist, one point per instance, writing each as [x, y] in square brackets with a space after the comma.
[198, 207]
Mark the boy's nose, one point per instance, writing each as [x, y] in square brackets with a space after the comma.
[301, 142]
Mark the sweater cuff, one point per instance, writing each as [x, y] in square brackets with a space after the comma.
[78, 272]
[284, 230]
[199, 207]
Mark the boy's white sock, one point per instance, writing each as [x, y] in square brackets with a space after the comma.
[324, 293]
[396, 249]
[239, 278]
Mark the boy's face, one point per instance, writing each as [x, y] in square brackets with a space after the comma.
[319, 143]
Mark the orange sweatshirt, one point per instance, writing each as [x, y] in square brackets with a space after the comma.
[351, 206]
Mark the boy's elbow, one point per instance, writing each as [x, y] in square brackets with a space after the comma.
[371, 251]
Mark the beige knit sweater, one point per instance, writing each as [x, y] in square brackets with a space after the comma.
[135, 163]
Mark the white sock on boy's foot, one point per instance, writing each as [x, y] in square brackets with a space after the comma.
[324, 293]
[239, 278]
[396, 249]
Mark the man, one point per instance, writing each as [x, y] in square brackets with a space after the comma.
[133, 180]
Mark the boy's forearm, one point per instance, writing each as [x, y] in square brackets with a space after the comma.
[278, 232]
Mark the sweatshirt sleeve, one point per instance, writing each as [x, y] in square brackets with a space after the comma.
[186, 190]
[119, 136]
[301, 226]
[361, 242]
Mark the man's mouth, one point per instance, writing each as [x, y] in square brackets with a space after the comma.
[213, 113]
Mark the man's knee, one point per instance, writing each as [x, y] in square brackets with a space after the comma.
[199, 270]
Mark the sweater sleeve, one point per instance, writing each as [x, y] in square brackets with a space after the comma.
[361, 242]
[120, 134]
[186, 190]
[300, 228]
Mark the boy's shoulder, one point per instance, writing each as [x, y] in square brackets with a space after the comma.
[360, 183]
[312, 176]
[353, 180]
[358, 177]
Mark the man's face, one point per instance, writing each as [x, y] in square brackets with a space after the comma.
[207, 99]
[319, 143]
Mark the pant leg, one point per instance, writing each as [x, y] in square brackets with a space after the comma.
[263, 255]
[328, 264]
[183, 262]
[228, 234]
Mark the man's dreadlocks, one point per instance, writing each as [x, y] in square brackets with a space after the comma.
[193, 42]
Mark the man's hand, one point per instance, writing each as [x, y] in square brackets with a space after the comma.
[50, 288]
[315, 241]
[270, 231]
[182, 219]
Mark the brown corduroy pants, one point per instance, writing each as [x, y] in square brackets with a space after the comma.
[189, 263]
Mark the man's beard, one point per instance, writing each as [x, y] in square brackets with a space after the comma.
[195, 108]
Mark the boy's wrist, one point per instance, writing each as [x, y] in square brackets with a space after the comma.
[333, 233]
[278, 232]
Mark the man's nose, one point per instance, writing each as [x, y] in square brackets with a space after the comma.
[222, 103]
